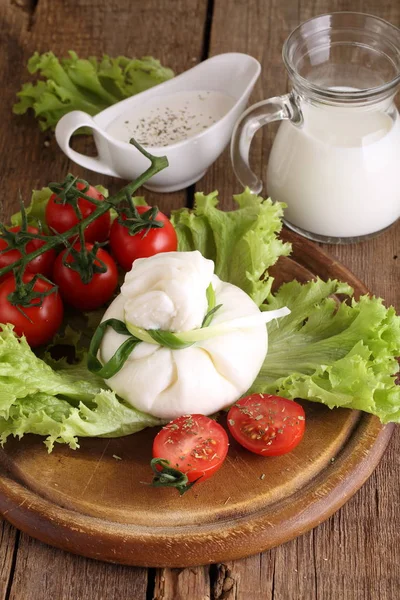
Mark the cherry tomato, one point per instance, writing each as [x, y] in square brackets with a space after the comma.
[194, 444]
[86, 296]
[41, 322]
[267, 425]
[61, 217]
[127, 248]
[41, 264]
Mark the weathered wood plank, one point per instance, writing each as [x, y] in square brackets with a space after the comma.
[359, 542]
[90, 27]
[182, 584]
[352, 556]
[252, 577]
[14, 20]
[44, 572]
[8, 541]
[336, 560]
[258, 28]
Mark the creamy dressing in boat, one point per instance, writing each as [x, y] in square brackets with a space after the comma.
[165, 120]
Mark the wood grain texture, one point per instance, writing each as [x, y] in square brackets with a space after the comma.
[44, 572]
[89, 27]
[14, 22]
[362, 527]
[316, 565]
[8, 542]
[182, 584]
[353, 556]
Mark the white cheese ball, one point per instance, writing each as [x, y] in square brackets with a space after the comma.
[168, 291]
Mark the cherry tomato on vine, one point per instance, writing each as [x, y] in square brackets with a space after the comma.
[61, 217]
[193, 444]
[38, 323]
[41, 264]
[85, 296]
[126, 247]
[267, 425]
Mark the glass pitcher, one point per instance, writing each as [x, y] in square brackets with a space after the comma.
[335, 160]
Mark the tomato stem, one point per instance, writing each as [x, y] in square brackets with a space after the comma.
[84, 261]
[158, 163]
[167, 476]
[134, 222]
[25, 295]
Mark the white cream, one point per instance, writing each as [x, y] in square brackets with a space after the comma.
[339, 173]
[165, 120]
[202, 378]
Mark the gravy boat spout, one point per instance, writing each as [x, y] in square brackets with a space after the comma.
[232, 74]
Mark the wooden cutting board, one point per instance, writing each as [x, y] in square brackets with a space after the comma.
[97, 502]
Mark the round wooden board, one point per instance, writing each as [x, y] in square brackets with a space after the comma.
[95, 501]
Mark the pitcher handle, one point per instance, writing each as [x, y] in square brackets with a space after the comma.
[66, 127]
[275, 109]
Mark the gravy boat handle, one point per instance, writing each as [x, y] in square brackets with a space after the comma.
[66, 127]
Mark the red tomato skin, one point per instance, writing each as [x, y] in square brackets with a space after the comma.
[61, 217]
[41, 264]
[180, 452]
[86, 296]
[43, 321]
[127, 248]
[279, 429]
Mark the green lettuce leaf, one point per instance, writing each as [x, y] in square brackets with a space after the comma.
[61, 403]
[22, 373]
[91, 85]
[243, 243]
[59, 421]
[126, 77]
[337, 354]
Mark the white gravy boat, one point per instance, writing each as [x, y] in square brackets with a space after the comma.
[233, 74]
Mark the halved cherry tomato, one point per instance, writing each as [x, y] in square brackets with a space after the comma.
[38, 323]
[61, 217]
[194, 444]
[41, 264]
[267, 425]
[126, 247]
[86, 296]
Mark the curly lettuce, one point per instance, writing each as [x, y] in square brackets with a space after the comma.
[91, 85]
[336, 353]
[339, 354]
[243, 243]
[61, 403]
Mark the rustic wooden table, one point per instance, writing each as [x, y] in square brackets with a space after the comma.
[354, 555]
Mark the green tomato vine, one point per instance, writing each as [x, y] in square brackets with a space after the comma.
[18, 240]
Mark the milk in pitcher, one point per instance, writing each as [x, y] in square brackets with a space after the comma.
[335, 161]
[338, 171]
